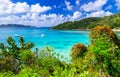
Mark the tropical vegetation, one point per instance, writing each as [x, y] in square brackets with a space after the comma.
[88, 23]
[100, 59]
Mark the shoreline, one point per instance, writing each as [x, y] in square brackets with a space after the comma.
[73, 29]
[116, 30]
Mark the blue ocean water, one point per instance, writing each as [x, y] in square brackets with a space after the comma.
[61, 40]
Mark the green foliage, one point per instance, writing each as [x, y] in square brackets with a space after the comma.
[88, 23]
[49, 60]
[116, 22]
[10, 55]
[100, 59]
[25, 46]
[27, 57]
[78, 50]
[28, 72]
[104, 47]
[83, 24]
[7, 74]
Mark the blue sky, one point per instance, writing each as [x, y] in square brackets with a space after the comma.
[52, 12]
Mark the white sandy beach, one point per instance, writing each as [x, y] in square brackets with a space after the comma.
[116, 30]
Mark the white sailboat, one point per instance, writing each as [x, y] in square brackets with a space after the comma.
[42, 35]
[16, 35]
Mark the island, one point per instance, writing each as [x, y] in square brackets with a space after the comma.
[15, 25]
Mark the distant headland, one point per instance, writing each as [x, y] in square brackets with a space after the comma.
[14, 25]
[88, 23]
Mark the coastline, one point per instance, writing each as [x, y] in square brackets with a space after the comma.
[72, 29]
[116, 30]
[81, 29]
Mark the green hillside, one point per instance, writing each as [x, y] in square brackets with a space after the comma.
[113, 21]
[14, 25]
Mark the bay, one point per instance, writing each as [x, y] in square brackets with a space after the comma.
[60, 40]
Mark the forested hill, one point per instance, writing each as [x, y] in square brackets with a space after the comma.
[113, 21]
[13, 25]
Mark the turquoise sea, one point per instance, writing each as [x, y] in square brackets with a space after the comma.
[61, 40]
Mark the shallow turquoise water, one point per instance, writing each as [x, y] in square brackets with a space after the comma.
[61, 41]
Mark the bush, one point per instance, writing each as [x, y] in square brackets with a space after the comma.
[78, 51]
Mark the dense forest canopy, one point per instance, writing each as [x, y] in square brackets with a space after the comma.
[113, 21]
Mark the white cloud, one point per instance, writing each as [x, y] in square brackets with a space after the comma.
[118, 4]
[50, 19]
[22, 13]
[77, 15]
[7, 7]
[94, 6]
[21, 7]
[99, 14]
[77, 2]
[34, 19]
[68, 5]
[38, 9]
[9, 19]
[3, 5]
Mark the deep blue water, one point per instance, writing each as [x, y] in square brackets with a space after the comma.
[61, 41]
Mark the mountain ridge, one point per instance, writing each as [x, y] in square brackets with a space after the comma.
[14, 25]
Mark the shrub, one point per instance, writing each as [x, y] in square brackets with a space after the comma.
[78, 51]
